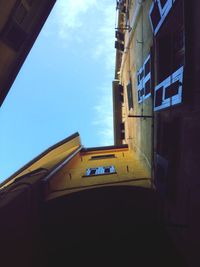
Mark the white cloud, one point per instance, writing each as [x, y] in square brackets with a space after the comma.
[104, 51]
[105, 37]
[104, 117]
[71, 15]
[68, 14]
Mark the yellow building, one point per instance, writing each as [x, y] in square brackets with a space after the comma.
[77, 205]
[69, 167]
[100, 206]
[134, 125]
[156, 106]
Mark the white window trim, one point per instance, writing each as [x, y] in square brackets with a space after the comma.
[100, 170]
[144, 80]
[140, 87]
[148, 76]
[146, 60]
[165, 10]
[176, 99]
[163, 13]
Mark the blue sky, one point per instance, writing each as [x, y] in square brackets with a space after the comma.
[64, 86]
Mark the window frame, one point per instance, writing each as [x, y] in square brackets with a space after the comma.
[129, 91]
[100, 171]
[145, 79]
[175, 99]
[164, 11]
[170, 80]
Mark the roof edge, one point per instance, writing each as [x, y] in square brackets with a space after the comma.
[45, 152]
[103, 148]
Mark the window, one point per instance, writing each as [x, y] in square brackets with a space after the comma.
[170, 60]
[121, 88]
[122, 126]
[122, 135]
[158, 97]
[103, 156]
[119, 46]
[147, 67]
[164, 57]
[172, 89]
[130, 96]
[147, 77]
[100, 171]
[92, 171]
[122, 130]
[140, 84]
[121, 98]
[168, 153]
[121, 93]
[170, 51]
[147, 88]
[155, 16]
[119, 35]
[158, 12]
[169, 92]
[121, 6]
[144, 80]
[106, 169]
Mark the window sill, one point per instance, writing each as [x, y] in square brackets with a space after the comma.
[101, 174]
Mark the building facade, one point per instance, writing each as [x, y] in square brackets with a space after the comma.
[112, 205]
[34, 198]
[136, 103]
[156, 73]
[20, 24]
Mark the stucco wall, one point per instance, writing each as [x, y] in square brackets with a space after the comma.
[129, 170]
[138, 130]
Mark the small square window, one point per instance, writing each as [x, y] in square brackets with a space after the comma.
[107, 170]
[122, 135]
[91, 171]
[172, 90]
[122, 126]
[100, 171]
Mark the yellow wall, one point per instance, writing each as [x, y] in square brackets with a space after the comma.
[138, 130]
[129, 169]
[50, 159]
